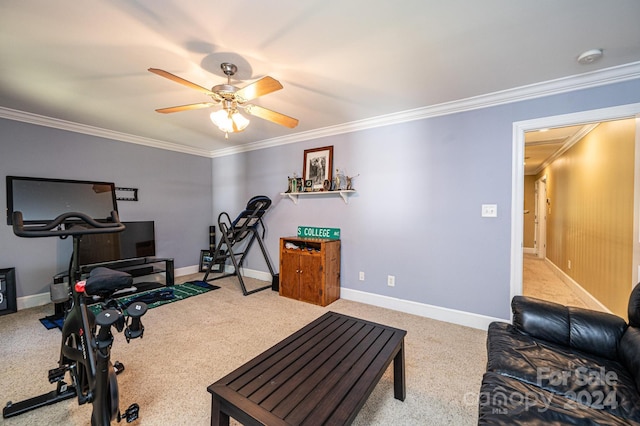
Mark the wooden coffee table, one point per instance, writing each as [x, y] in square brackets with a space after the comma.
[321, 374]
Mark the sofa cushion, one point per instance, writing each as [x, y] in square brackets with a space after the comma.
[594, 381]
[582, 329]
[506, 401]
[595, 332]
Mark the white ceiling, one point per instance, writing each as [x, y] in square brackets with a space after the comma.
[340, 62]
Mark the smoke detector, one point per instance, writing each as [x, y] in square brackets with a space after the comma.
[589, 56]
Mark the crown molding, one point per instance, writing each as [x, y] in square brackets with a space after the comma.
[591, 79]
[41, 120]
[587, 80]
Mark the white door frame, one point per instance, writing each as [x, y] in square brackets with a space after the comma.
[517, 171]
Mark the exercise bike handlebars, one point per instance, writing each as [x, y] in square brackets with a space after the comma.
[55, 227]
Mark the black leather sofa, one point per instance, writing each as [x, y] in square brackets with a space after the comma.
[562, 365]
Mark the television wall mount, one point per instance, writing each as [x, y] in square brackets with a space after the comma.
[126, 194]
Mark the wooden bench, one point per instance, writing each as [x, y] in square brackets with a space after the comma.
[321, 374]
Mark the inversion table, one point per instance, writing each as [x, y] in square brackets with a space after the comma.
[236, 232]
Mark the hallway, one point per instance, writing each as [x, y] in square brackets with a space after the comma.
[540, 280]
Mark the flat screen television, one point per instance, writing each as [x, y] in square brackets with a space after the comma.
[137, 240]
[41, 200]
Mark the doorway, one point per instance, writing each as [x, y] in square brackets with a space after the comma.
[590, 188]
[519, 129]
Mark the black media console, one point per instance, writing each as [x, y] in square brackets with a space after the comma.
[138, 267]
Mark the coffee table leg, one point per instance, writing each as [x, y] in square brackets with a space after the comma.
[218, 418]
[399, 389]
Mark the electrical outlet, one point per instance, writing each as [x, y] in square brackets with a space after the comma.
[569, 264]
[391, 280]
[361, 277]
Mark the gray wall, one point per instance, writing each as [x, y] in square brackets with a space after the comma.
[174, 191]
[417, 211]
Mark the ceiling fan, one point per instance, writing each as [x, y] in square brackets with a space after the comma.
[232, 98]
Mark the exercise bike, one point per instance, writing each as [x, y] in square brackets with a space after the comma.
[85, 354]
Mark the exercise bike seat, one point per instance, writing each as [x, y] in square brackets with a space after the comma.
[104, 281]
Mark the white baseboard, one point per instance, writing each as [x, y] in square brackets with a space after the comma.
[454, 316]
[187, 270]
[258, 275]
[251, 273]
[529, 250]
[26, 302]
[583, 294]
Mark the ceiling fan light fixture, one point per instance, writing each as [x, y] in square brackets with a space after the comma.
[229, 121]
[240, 121]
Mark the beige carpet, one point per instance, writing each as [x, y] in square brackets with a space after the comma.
[190, 344]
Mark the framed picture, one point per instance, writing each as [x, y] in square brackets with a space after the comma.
[318, 166]
[205, 260]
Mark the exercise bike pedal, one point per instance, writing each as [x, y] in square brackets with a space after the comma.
[118, 367]
[57, 374]
[130, 414]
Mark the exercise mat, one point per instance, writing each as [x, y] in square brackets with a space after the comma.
[153, 299]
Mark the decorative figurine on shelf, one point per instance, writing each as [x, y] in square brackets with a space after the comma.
[350, 181]
[294, 183]
[341, 181]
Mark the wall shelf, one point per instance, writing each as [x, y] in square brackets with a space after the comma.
[293, 196]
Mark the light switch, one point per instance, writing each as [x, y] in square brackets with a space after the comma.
[489, 210]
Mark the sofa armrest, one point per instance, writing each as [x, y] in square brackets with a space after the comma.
[590, 331]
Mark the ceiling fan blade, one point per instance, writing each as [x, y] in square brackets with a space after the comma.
[267, 114]
[185, 107]
[258, 88]
[180, 80]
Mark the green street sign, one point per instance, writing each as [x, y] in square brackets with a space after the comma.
[324, 233]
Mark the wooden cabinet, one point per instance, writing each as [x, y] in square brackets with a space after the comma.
[310, 270]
